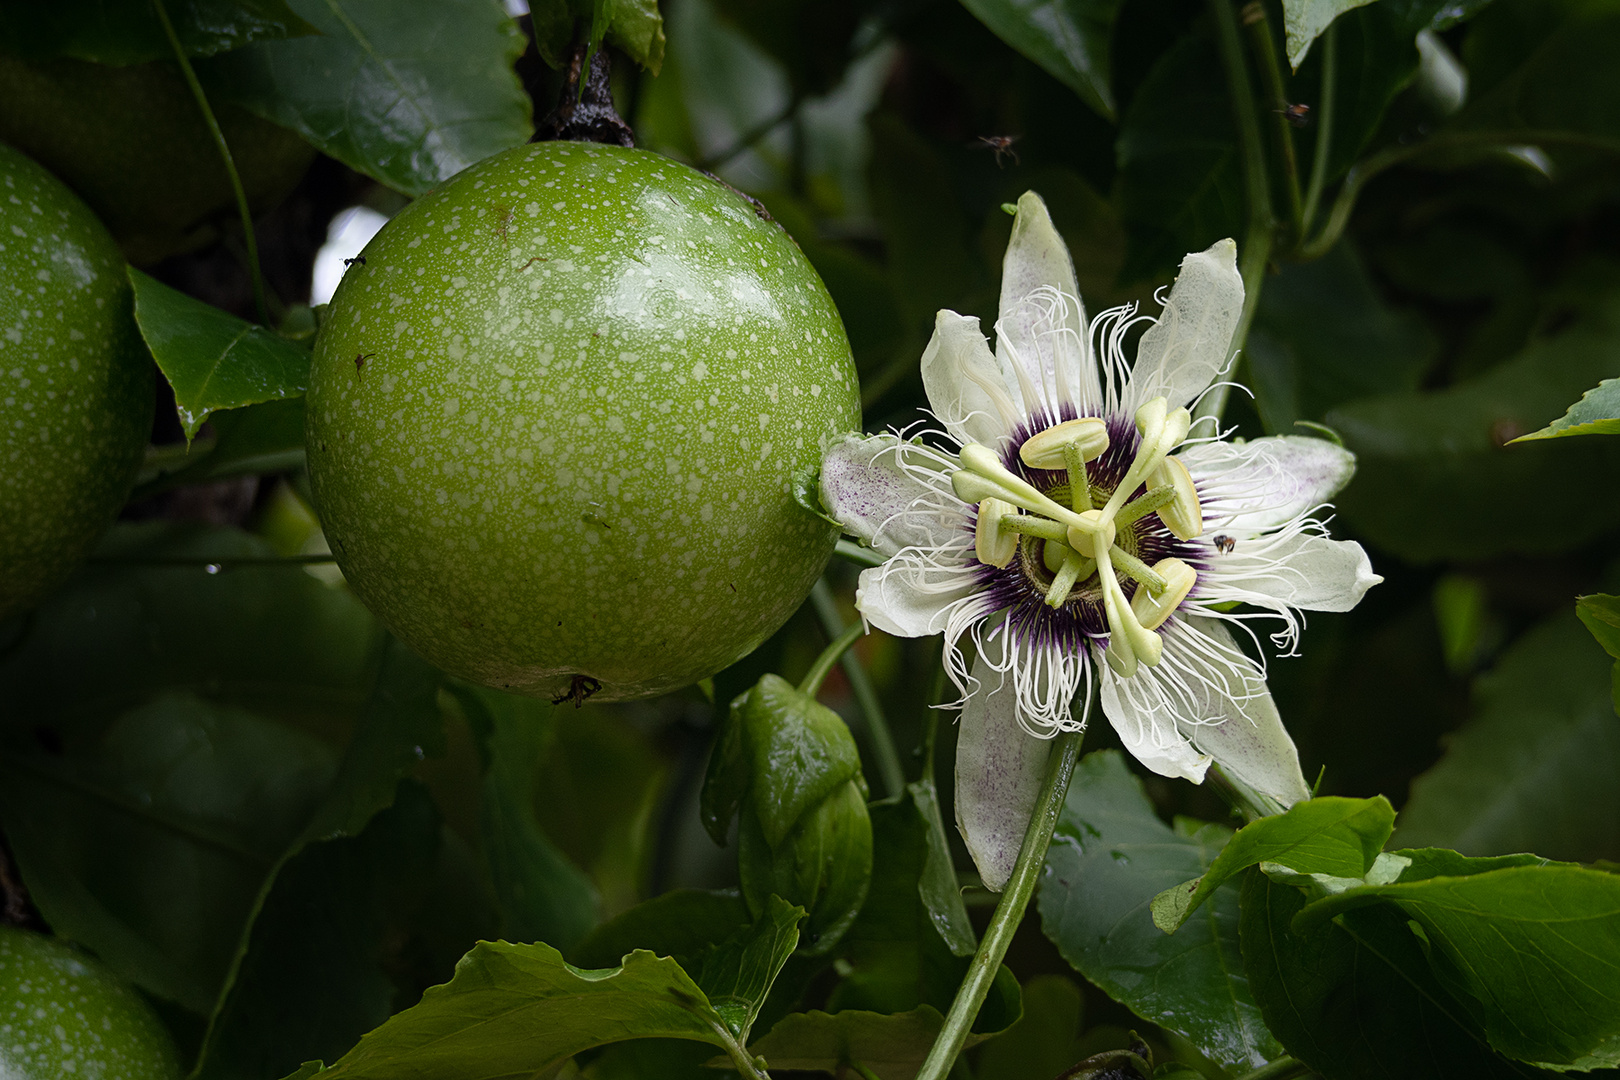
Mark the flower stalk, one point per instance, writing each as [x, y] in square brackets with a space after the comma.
[1009, 912]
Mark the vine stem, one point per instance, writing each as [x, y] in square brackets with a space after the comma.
[1262, 225]
[1325, 106]
[259, 299]
[1264, 47]
[887, 758]
[1009, 912]
[829, 656]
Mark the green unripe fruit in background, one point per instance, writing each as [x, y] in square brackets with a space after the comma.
[555, 415]
[64, 1015]
[132, 142]
[75, 382]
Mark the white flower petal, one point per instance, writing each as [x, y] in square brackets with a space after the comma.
[1000, 768]
[1297, 569]
[964, 383]
[1041, 333]
[913, 596]
[890, 493]
[1146, 724]
[1251, 487]
[1229, 712]
[1187, 347]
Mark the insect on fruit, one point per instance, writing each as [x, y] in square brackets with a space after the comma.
[640, 350]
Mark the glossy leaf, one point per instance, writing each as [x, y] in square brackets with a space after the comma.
[315, 972]
[800, 753]
[1071, 39]
[212, 359]
[824, 865]
[737, 974]
[1331, 836]
[542, 896]
[1355, 997]
[520, 1010]
[682, 923]
[1045, 1040]
[1304, 21]
[408, 92]
[1442, 450]
[128, 32]
[1109, 857]
[1323, 336]
[1601, 614]
[1533, 950]
[1597, 413]
[1534, 769]
[1180, 188]
[635, 26]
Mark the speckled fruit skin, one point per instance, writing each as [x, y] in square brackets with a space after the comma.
[555, 414]
[64, 1015]
[75, 382]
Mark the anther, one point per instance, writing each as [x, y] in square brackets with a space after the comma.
[1183, 515]
[1151, 611]
[993, 543]
[1045, 449]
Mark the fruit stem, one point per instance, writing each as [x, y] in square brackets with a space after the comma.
[1009, 912]
[829, 656]
[259, 301]
[585, 111]
[860, 684]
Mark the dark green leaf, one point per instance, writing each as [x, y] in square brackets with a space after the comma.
[1534, 769]
[937, 884]
[213, 359]
[542, 896]
[1601, 614]
[1179, 184]
[128, 32]
[738, 973]
[681, 924]
[1322, 336]
[314, 975]
[1533, 950]
[1109, 857]
[1331, 836]
[519, 1010]
[1304, 21]
[1071, 39]
[1355, 998]
[1431, 466]
[409, 92]
[725, 784]
[892, 1045]
[1597, 413]
[1044, 1041]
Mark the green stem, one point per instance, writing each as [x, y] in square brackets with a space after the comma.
[254, 271]
[1257, 241]
[850, 551]
[1264, 47]
[1324, 128]
[886, 757]
[739, 1057]
[836, 648]
[1009, 912]
[863, 1072]
[1284, 1068]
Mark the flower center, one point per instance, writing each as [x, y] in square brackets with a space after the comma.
[1083, 537]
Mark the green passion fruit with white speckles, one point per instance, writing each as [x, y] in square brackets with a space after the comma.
[64, 1015]
[75, 382]
[555, 415]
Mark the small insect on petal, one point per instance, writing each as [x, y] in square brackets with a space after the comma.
[993, 545]
[1151, 611]
[1044, 449]
[1183, 515]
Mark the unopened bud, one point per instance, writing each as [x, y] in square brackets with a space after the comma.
[1044, 449]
